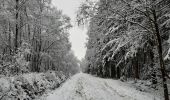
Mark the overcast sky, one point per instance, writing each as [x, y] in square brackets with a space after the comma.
[77, 35]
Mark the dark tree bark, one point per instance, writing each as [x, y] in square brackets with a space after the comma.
[153, 74]
[118, 72]
[159, 47]
[113, 71]
[17, 26]
[136, 68]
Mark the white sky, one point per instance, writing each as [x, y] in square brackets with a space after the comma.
[77, 35]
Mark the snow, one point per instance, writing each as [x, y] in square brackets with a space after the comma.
[4, 84]
[110, 44]
[29, 86]
[167, 57]
[168, 41]
[86, 87]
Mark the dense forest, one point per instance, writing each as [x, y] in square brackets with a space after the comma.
[127, 39]
[34, 38]
[128, 47]
[35, 51]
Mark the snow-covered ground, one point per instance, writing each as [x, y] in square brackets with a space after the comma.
[30, 86]
[86, 87]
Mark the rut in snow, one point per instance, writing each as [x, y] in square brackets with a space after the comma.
[87, 87]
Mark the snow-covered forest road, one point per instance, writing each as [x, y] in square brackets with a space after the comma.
[86, 87]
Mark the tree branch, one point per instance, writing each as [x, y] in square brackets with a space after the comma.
[49, 46]
[140, 25]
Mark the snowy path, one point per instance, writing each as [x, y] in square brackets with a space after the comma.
[87, 87]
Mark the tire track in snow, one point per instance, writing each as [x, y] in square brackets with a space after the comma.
[80, 89]
[115, 92]
[87, 87]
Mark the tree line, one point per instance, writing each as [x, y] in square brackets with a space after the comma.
[34, 37]
[127, 39]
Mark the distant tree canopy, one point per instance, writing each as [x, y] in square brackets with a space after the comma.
[127, 38]
[35, 32]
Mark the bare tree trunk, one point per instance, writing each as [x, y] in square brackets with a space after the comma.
[136, 68]
[159, 47]
[153, 74]
[17, 28]
[118, 73]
